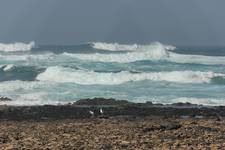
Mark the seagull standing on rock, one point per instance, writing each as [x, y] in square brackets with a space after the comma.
[92, 113]
[101, 111]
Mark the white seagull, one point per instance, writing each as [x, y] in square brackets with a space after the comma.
[91, 112]
[101, 111]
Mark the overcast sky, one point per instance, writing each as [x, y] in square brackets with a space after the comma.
[177, 22]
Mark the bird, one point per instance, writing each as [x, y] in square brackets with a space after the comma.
[101, 111]
[91, 112]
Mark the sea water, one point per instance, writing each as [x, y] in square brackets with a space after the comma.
[31, 74]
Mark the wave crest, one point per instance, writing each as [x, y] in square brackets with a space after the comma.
[69, 75]
[126, 47]
[15, 47]
[154, 51]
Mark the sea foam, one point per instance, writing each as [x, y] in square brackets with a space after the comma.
[199, 101]
[26, 92]
[126, 47]
[15, 47]
[69, 75]
[153, 52]
[27, 57]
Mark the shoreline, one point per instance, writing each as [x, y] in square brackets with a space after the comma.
[109, 124]
[110, 107]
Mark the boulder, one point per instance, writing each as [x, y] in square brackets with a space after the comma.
[2, 99]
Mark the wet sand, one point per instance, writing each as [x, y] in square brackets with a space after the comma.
[120, 125]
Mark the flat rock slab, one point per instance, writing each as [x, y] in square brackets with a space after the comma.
[104, 108]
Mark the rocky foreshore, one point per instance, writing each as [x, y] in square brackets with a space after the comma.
[109, 124]
[89, 108]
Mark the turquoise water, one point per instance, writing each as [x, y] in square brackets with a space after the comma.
[33, 74]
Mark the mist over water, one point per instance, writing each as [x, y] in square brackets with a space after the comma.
[31, 74]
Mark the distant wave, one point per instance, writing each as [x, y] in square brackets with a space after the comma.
[15, 47]
[126, 47]
[155, 51]
[27, 57]
[152, 52]
[64, 75]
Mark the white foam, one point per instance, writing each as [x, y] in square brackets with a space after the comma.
[27, 57]
[26, 99]
[192, 100]
[200, 101]
[154, 52]
[14, 86]
[196, 59]
[64, 75]
[31, 99]
[126, 47]
[25, 92]
[15, 47]
[17, 90]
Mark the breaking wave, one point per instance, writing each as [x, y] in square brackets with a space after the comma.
[125, 47]
[15, 47]
[153, 52]
[27, 57]
[25, 92]
[64, 75]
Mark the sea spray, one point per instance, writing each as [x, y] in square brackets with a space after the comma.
[15, 47]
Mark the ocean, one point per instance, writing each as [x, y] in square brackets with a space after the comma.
[31, 74]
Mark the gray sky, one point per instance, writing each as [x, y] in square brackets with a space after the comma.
[177, 22]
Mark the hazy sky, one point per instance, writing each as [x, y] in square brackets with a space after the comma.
[178, 22]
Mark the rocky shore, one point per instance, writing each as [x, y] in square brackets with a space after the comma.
[109, 124]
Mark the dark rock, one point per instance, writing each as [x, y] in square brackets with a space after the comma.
[149, 103]
[106, 146]
[173, 127]
[147, 129]
[125, 144]
[101, 101]
[152, 128]
[184, 117]
[208, 129]
[218, 117]
[162, 127]
[200, 128]
[4, 139]
[170, 127]
[187, 104]
[2, 98]
[111, 108]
